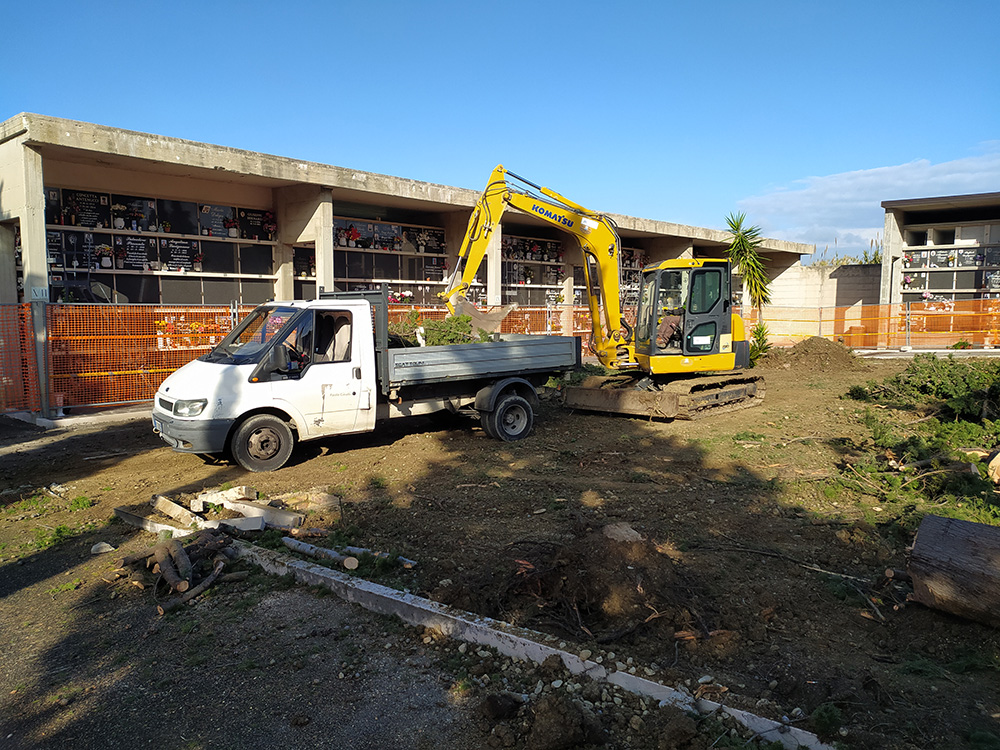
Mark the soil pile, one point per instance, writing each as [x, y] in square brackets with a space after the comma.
[814, 353]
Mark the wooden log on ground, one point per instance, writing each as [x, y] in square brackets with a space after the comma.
[179, 601]
[403, 561]
[167, 569]
[180, 559]
[955, 567]
[137, 557]
[299, 532]
[239, 575]
[348, 561]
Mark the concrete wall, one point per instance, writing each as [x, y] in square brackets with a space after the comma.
[826, 286]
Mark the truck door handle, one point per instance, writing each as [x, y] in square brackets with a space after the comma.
[357, 373]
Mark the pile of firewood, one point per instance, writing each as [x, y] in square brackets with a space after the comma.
[184, 571]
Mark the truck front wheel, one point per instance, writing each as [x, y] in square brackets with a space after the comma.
[263, 443]
[511, 419]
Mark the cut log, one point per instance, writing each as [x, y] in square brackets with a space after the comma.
[896, 574]
[179, 601]
[348, 561]
[361, 551]
[180, 559]
[167, 569]
[955, 567]
[299, 532]
[137, 557]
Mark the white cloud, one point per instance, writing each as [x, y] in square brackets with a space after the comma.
[843, 212]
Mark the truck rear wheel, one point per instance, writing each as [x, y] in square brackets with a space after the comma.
[511, 419]
[263, 443]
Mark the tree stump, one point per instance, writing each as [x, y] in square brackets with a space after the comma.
[955, 567]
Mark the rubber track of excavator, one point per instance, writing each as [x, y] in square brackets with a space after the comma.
[687, 398]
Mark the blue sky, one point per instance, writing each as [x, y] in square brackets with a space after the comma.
[804, 115]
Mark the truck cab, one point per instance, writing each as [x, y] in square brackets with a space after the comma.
[302, 366]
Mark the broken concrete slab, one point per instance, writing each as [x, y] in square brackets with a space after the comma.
[141, 522]
[241, 524]
[218, 497]
[270, 514]
[168, 507]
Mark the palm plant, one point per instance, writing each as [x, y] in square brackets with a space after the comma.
[744, 254]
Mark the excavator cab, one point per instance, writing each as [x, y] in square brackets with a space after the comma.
[685, 322]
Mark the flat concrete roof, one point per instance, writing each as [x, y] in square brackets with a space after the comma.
[84, 143]
[974, 200]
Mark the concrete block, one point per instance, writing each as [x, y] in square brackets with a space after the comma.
[150, 525]
[219, 497]
[270, 514]
[243, 524]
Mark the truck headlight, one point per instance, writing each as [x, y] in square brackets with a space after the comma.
[189, 408]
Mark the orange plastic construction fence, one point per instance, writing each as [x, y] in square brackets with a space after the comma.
[18, 368]
[934, 324]
[108, 354]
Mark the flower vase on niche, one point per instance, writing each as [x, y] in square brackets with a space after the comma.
[197, 265]
[234, 232]
[105, 261]
[120, 262]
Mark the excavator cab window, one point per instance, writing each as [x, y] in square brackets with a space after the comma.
[706, 290]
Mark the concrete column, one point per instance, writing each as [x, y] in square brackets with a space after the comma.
[33, 249]
[305, 216]
[8, 267]
[892, 256]
[33, 258]
[566, 313]
[325, 244]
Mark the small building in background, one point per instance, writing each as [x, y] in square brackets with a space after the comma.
[944, 249]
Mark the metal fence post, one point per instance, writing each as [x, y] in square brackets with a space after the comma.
[906, 318]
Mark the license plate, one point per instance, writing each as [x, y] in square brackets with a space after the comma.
[157, 426]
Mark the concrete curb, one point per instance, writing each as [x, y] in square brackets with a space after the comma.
[511, 641]
[98, 416]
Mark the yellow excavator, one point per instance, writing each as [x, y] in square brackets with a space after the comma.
[685, 334]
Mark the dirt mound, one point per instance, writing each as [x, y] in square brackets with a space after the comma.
[606, 585]
[814, 353]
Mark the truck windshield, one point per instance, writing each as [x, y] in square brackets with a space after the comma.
[253, 336]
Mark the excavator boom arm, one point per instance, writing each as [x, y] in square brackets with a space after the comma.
[595, 234]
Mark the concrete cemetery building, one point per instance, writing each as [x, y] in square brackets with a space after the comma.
[94, 213]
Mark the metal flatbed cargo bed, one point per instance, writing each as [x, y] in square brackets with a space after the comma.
[513, 355]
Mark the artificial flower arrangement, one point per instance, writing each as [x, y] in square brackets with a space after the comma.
[231, 222]
[401, 297]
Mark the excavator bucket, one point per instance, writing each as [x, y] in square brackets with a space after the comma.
[489, 321]
[679, 399]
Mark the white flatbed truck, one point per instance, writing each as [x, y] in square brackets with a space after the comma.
[304, 370]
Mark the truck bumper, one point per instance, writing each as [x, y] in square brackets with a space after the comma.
[192, 436]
